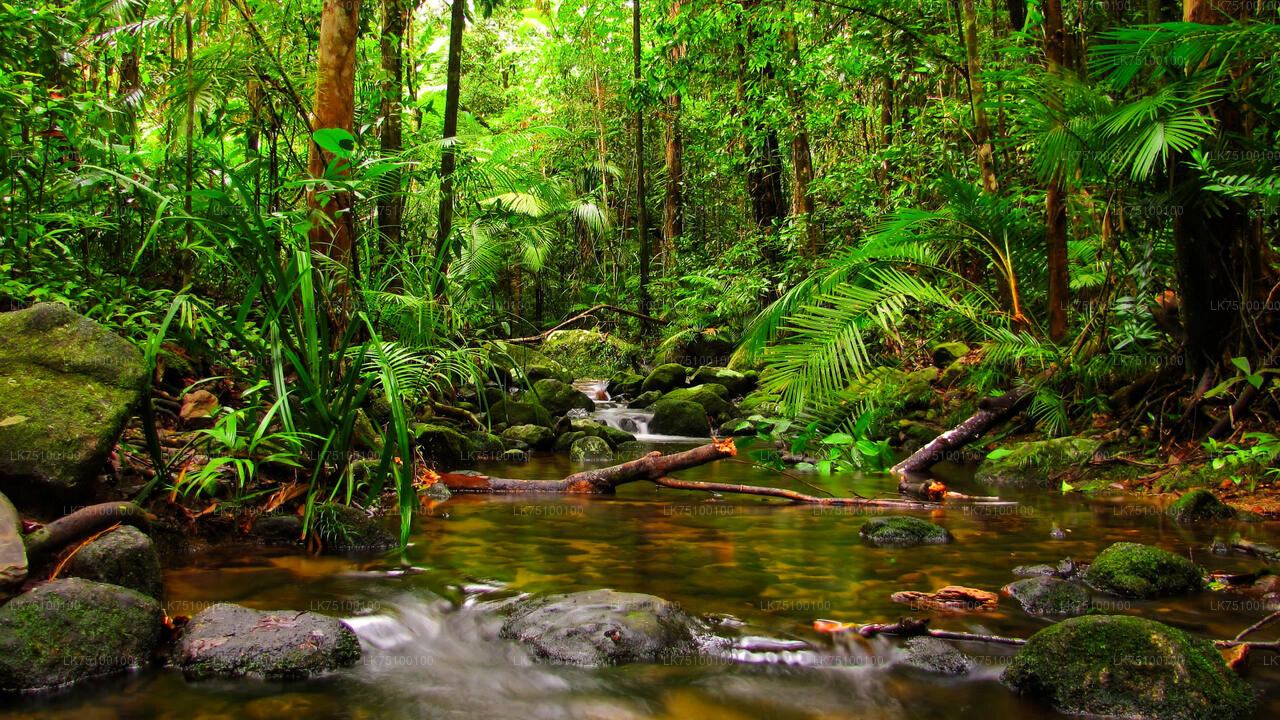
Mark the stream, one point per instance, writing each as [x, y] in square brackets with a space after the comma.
[429, 619]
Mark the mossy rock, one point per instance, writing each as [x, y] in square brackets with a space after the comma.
[566, 440]
[944, 354]
[534, 436]
[625, 383]
[484, 445]
[695, 349]
[511, 413]
[67, 388]
[759, 402]
[1197, 506]
[738, 384]
[520, 364]
[557, 397]
[441, 443]
[916, 389]
[125, 557]
[712, 397]
[936, 656]
[13, 552]
[645, 399]
[614, 436]
[590, 353]
[230, 641]
[902, 531]
[1034, 464]
[590, 448]
[1142, 571]
[1131, 667]
[1049, 596]
[954, 373]
[679, 417]
[665, 378]
[71, 629]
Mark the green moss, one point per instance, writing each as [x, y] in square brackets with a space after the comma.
[1128, 667]
[1142, 571]
[590, 448]
[590, 353]
[557, 397]
[665, 378]
[679, 417]
[1034, 464]
[713, 399]
[902, 531]
[1199, 505]
[440, 442]
[1049, 596]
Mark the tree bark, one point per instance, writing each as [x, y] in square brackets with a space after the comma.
[801, 158]
[1055, 193]
[46, 542]
[642, 207]
[992, 411]
[673, 206]
[334, 107]
[977, 98]
[395, 15]
[448, 154]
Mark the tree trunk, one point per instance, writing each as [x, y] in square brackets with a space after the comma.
[801, 159]
[334, 108]
[977, 98]
[1055, 193]
[395, 15]
[673, 207]
[448, 156]
[642, 210]
[764, 163]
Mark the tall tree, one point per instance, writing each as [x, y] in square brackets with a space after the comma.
[642, 209]
[764, 162]
[673, 205]
[395, 16]
[801, 158]
[1055, 193]
[334, 107]
[448, 154]
[977, 98]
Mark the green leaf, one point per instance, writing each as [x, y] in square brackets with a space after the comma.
[1067, 487]
[998, 453]
[337, 141]
[837, 439]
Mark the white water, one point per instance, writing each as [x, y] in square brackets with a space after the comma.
[617, 415]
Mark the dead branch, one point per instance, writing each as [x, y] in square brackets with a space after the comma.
[791, 495]
[46, 542]
[911, 627]
[542, 335]
[992, 411]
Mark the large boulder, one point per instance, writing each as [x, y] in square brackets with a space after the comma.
[231, 641]
[510, 413]
[1049, 596]
[1199, 505]
[645, 399]
[625, 382]
[590, 448]
[713, 399]
[679, 417]
[71, 629]
[1129, 667]
[944, 354]
[665, 378]
[557, 397]
[67, 388]
[1034, 464]
[13, 553]
[441, 443]
[1142, 571]
[738, 384]
[125, 557]
[590, 352]
[534, 436]
[520, 364]
[902, 531]
[602, 627]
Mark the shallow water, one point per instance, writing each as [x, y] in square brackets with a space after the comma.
[429, 624]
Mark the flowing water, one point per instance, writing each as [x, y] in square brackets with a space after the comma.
[429, 619]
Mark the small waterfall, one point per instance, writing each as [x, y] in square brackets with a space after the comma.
[616, 414]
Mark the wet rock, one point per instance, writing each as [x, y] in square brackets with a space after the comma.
[713, 399]
[69, 386]
[665, 378]
[1141, 571]
[440, 442]
[698, 349]
[916, 390]
[738, 384]
[1034, 464]
[566, 440]
[557, 397]
[71, 629]
[1198, 506]
[521, 364]
[125, 557]
[645, 399]
[679, 417]
[515, 456]
[534, 436]
[1121, 666]
[614, 436]
[625, 382]
[602, 627]
[590, 448]
[549, 371]
[232, 641]
[943, 354]
[936, 656]
[13, 553]
[1064, 569]
[483, 445]
[1049, 596]
[278, 528]
[510, 412]
[902, 531]
[345, 529]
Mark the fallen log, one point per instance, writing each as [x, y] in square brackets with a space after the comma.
[992, 411]
[49, 540]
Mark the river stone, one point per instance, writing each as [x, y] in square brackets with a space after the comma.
[13, 553]
[1197, 506]
[590, 447]
[511, 413]
[625, 382]
[1049, 596]
[759, 402]
[1131, 667]
[602, 627]
[1034, 464]
[614, 436]
[936, 656]
[232, 641]
[1141, 571]
[125, 557]
[557, 397]
[665, 378]
[534, 436]
[67, 388]
[738, 384]
[645, 399]
[679, 417]
[441, 442]
[903, 531]
[71, 629]
[713, 399]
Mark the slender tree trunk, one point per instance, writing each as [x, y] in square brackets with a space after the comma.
[395, 15]
[764, 162]
[1055, 193]
[448, 155]
[977, 97]
[334, 107]
[673, 207]
[186, 262]
[642, 211]
[801, 158]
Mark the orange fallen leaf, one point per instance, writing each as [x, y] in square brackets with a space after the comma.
[1236, 657]
[832, 626]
